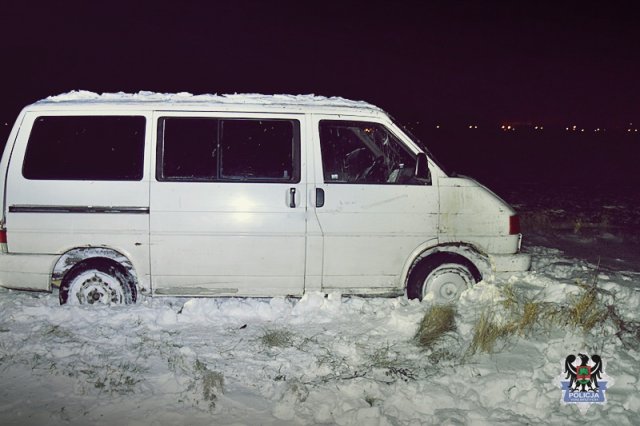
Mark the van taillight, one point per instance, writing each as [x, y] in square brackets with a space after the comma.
[3, 241]
[514, 225]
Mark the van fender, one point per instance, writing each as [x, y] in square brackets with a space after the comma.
[478, 258]
[74, 256]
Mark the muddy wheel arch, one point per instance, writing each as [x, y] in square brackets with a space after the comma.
[469, 252]
[79, 254]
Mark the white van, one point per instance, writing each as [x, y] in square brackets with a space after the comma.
[113, 196]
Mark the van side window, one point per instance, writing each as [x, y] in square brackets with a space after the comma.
[85, 148]
[189, 148]
[213, 149]
[258, 150]
[363, 153]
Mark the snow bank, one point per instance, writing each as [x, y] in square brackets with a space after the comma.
[345, 360]
[320, 359]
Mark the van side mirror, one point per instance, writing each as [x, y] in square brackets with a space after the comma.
[422, 168]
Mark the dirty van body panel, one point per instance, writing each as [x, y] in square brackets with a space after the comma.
[472, 214]
[27, 272]
[4, 162]
[226, 238]
[370, 230]
[218, 235]
[50, 216]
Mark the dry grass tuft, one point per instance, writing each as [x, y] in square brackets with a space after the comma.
[277, 338]
[487, 332]
[209, 383]
[586, 310]
[437, 321]
[530, 315]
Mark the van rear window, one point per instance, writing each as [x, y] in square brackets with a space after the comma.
[85, 148]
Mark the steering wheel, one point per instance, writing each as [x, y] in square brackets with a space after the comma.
[372, 170]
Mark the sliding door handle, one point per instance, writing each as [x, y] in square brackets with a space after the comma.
[292, 198]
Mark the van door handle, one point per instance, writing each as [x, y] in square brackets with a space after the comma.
[292, 198]
[319, 197]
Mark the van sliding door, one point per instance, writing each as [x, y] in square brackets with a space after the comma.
[227, 205]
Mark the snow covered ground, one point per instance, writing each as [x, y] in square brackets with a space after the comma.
[339, 360]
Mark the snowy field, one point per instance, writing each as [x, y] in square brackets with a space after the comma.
[344, 360]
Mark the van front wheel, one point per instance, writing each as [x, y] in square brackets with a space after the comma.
[97, 282]
[441, 278]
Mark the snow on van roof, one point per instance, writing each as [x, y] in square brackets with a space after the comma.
[83, 96]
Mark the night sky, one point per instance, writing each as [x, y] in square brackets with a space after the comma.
[438, 62]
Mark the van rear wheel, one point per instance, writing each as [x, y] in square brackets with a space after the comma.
[98, 282]
[442, 278]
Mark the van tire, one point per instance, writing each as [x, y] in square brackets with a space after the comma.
[98, 281]
[445, 275]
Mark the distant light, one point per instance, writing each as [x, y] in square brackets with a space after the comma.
[566, 128]
[437, 126]
[582, 130]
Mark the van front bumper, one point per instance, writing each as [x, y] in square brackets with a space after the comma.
[518, 262]
[26, 271]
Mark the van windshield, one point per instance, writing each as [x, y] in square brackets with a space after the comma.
[419, 142]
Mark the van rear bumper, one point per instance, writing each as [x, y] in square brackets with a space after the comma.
[26, 271]
[518, 262]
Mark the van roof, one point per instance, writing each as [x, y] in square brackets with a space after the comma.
[188, 101]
